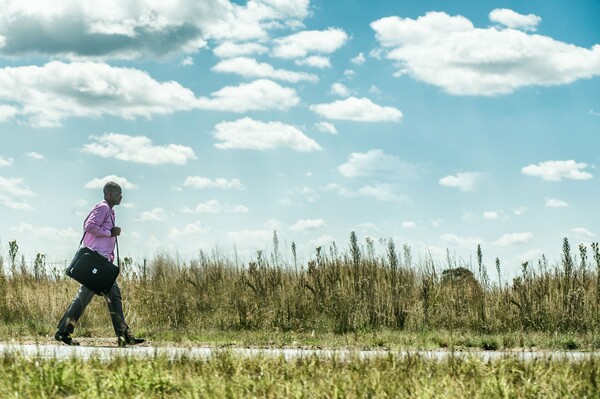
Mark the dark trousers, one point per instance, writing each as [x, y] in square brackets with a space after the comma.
[82, 300]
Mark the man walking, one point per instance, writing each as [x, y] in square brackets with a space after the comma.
[100, 234]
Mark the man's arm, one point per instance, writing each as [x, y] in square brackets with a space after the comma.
[93, 225]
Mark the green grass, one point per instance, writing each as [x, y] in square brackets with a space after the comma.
[357, 298]
[228, 376]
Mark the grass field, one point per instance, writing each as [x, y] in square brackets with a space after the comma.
[228, 376]
[356, 298]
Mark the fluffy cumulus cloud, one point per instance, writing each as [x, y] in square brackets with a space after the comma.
[250, 68]
[582, 233]
[465, 181]
[339, 89]
[555, 203]
[36, 156]
[261, 94]
[307, 225]
[46, 95]
[202, 182]
[302, 44]
[247, 133]
[455, 240]
[326, 127]
[154, 215]
[315, 61]
[383, 192]
[100, 182]
[357, 109]
[138, 149]
[558, 170]
[231, 49]
[511, 239]
[377, 163]
[5, 161]
[189, 229]
[214, 206]
[7, 112]
[14, 193]
[126, 29]
[47, 233]
[515, 20]
[490, 215]
[451, 53]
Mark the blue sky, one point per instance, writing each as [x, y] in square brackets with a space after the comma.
[442, 125]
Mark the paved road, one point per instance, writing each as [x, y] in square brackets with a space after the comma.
[108, 353]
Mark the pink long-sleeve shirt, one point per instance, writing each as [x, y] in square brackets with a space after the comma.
[97, 228]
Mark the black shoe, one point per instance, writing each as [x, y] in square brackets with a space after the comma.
[128, 339]
[65, 338]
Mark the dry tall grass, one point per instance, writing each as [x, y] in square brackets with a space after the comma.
[355, 290]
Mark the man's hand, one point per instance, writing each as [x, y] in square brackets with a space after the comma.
[115, 231]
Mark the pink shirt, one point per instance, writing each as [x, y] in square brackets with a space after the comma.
[97, 230]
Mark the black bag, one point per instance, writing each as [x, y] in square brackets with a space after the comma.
[93, 271]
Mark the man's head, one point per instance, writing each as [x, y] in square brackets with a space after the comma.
[112, 193]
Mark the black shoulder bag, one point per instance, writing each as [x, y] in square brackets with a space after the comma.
[93, 270]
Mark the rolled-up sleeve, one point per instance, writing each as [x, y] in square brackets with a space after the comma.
[96, 222]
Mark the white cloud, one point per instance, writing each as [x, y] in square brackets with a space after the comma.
[349, 73]
[490, 215]
[315, 61]
[189, 229]
[14, 192]
[299, 45]
[247, 133]
[187, 61]
[205, 182]
[231, 49]
[450, 53]
[262, 94]
[461, 241]
[519, 211]
[307, 225]
[555, 203]
[46, 95]
[99, 183]
[47, 233]
[466, 181]
[383, 192]
[326, 127]
[359, 59]
[409, 224]
[214, 206]
[125, 29]
[509, 240]
[377, 163]
[5, 161]
[558, 170]
[7, 112]
[374, 90]
[250, 68]
[36, 155]
[357, 109]
[582, 233]
[515, 20]
[321, 241]
[154, 215]
[339, 89]
[138, 149]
